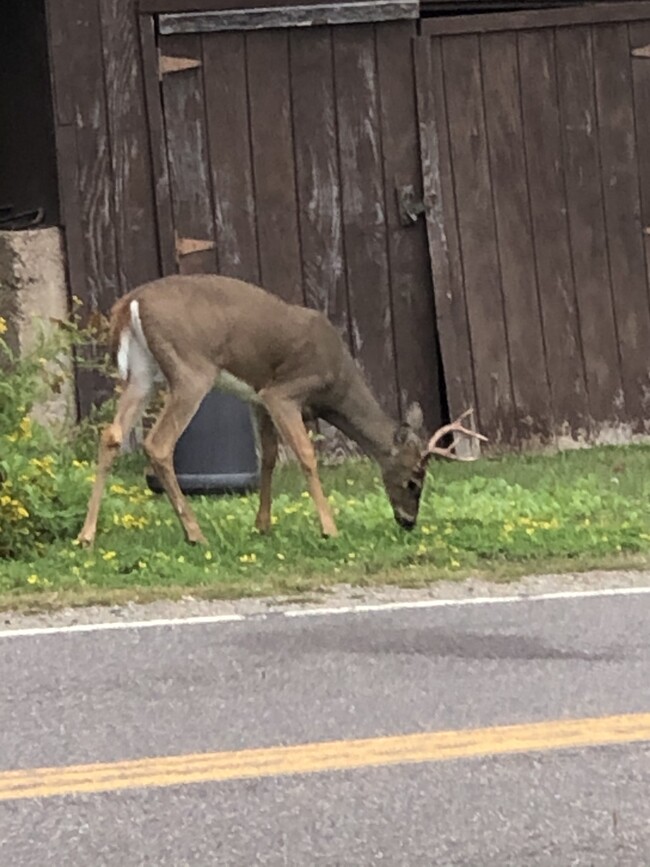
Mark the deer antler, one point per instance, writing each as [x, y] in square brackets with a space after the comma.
[449, 452]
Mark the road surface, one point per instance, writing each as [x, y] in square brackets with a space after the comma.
[441, 733]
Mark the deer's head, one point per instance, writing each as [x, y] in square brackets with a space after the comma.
[404, 471]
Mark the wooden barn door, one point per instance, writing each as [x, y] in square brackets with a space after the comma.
[288, 152]
[535, 142]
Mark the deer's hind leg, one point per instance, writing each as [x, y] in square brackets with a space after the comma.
[183, 400]
[269, 456]
[130, 406]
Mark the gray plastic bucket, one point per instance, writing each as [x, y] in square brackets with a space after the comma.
[216, 453]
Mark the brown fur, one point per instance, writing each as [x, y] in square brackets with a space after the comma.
[199, 326]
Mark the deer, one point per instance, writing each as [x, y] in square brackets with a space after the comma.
[196, 332]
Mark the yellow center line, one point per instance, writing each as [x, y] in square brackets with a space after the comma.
[326, 756]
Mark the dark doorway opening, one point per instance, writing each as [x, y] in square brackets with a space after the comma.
[28, 181]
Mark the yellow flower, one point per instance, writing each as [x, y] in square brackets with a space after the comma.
[32, 579]
[25, 427]
[248, 558]
[454, 564]
[280, 556]
[3, 325]
[130, 522]
[109, 555]
[208, 555]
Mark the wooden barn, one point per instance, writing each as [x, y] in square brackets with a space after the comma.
[464, 187]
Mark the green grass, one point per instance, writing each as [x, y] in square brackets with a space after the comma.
[498, 517]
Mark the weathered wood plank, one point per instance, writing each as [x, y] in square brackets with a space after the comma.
[83, 151]
[442, 228]
[187, 153]
[543, 142]
[158, 148]
[133, 204]
[317, 174]
[475, 213]
[64, 59]
[364, 218]
[417, 352]
[620, 182]
[226, 98]
[309, 15]
[509, 183]
[273, 164]
[66, 145]
[586, 224]
[530, 19]
[639, 35]
[148, 7]
[80, 96]
[70, 209]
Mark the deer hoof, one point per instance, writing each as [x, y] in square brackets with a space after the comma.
[86, 539]
[196, 538]
[330, 533]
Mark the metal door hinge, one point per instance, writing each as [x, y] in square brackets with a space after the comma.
[186, 246]
[167, 64]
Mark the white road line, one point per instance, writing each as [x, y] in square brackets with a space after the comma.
[322, 612]
[121, 624]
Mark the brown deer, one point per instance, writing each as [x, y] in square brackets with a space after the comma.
[197, 332]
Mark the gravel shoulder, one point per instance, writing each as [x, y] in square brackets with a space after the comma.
[339, 596]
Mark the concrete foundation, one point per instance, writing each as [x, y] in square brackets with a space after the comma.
[33, 292]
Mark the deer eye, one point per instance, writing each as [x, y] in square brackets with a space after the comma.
[413, 486]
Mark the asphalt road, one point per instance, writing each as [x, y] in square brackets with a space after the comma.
[106, 696]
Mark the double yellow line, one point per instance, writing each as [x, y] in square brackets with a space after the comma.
[327, 756]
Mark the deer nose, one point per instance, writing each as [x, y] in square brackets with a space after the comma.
[404, 522]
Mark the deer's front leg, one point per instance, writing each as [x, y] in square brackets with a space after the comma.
[287, 417]
[129, 409]
[269, 448]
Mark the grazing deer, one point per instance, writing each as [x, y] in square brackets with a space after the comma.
[200, 331]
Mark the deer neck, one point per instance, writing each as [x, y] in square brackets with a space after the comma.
[359, 416]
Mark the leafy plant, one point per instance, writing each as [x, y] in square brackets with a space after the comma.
[42, 484]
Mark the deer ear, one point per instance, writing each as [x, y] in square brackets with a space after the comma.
[413, 417]
[401, 434]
